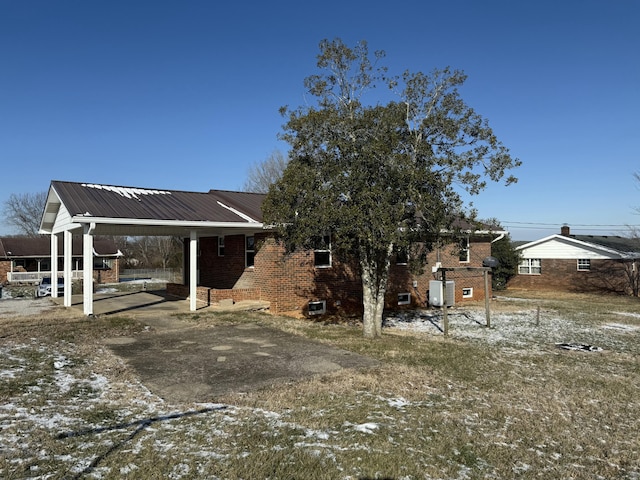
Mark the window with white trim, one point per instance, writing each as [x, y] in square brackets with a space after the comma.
[249, 251]
[322, 252]
[221, 246]
[464, 250]
[404, 298]
[530, 266]
[318, 307]
[584, 264]
[467, 292]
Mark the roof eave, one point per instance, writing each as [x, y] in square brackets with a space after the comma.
[185, 224]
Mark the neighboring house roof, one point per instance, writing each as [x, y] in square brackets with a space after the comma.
[622, 244]
[38, 247]
[140, 210]
[560, 246]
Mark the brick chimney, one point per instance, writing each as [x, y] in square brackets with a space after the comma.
[564, 230]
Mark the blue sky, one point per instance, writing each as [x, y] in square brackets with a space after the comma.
[185, 94]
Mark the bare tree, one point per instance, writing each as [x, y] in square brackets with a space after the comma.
[168, 250]
[263, 174]
[153, 251]
[23, 211]
[632, 267]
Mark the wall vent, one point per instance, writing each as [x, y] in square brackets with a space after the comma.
[318, 308]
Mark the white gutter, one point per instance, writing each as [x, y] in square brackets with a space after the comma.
[499, 237]
[163, 223]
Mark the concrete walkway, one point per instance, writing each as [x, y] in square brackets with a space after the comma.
[152, 303]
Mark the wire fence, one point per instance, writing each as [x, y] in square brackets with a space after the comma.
[173, 275]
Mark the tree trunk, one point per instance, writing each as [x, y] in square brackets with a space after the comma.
[375, 274]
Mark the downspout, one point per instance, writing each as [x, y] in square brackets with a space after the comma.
[499, 237]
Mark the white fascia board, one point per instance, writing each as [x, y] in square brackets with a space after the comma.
[163, 223]
[476, 232]
[578, 243]
[48, 217]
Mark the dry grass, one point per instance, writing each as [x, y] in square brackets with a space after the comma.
[478, 404]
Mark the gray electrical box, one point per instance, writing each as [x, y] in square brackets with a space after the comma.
[436, 297]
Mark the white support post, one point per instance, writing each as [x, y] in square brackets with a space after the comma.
[68, 237]
[87, 269]
[193, 270]
[54, 265]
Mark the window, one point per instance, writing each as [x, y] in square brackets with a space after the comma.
[467, 292]
[584, 264]
[404, 299]
[402, 257]
[250, 251]
[464, 250]
[530, 266]
[322, 252]
[102, 263]
[318, 308]
[221, 246]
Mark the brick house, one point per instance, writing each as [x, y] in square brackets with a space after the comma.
[230, 255]
[234, 265]
[28, 259]
[577, 263]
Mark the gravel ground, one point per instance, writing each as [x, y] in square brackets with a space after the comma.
[24, 307]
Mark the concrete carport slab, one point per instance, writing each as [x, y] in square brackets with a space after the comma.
[200, 364]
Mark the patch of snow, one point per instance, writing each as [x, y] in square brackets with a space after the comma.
[368, 427]
[126, 192]
[627, 314]
[106, 290]
[397, 402]
[620, 326]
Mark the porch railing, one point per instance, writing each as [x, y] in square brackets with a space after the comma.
[36, 277]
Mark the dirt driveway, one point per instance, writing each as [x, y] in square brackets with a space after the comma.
[186, 364]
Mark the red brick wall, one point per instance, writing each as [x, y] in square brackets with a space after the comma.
[402, 280]
[290, 282]
[563, 275]
[209, 296]
[221, 271]
[5, 267]
[111, 275]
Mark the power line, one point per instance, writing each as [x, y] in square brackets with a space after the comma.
[519, 227]
[570, 224]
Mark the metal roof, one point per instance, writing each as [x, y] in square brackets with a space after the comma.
[121, 210]
[110, 201]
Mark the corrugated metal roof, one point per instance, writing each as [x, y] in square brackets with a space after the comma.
[11, 247]
[110, 201]
[248, 203]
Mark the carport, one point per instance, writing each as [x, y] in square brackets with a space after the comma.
[89, 209]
